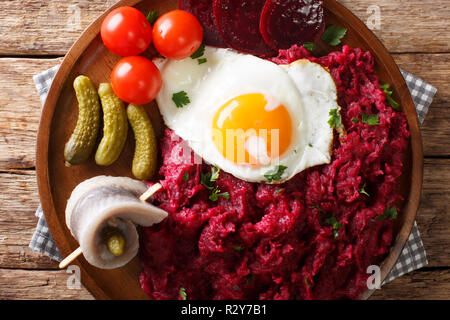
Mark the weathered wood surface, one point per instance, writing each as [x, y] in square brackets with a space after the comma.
[33, 27]
[52, 284]
[416, 30]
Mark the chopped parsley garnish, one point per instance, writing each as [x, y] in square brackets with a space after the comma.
[331, 220]
[389, 213]
[186, 176]
[355, 120]
[280, 191]
[250, 278]
[275, 174]
[335, 118]
[152, 17]
[310, 145]
[239, 248]
[310, 46]
[394, 104]
[200, 52]
[333, 35]
[181, 99]
[370, 119]
[363, 191]
[208, 180]
[307, 283]
[215, 194]
[183, 293]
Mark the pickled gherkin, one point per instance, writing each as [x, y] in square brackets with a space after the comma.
[115, 126]
[145, 155]
[81, 143]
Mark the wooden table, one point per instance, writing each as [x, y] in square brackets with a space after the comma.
[35, 35]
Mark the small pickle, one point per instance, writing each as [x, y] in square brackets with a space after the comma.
[145, 155]
[81, 144]
[115, 126]
[115, 241]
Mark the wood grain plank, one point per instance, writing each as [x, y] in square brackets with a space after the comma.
[18, 222]
[39, 284]
[20, 106]
[33, 27]
[43, 284]
[20, 110]
[18, 204]
[418, 285]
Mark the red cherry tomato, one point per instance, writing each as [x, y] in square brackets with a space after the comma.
[136, 80]
[177, 34]
[126, 31]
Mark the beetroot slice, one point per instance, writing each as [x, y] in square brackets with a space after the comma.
[238, 24]
[288, 22]
[203, 11]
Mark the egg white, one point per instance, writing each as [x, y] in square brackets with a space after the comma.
[306, 89]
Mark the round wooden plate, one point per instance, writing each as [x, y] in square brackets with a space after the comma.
[88, 56]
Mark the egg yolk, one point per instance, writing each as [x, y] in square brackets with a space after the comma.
[252, 129]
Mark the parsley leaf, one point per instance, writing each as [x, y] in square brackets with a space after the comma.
[186, 176]
[152, 17]
[333, 35]
[310, 46]
[183, 293]
[389, 213]
[239, 248]
[275, 174]
[371, 119]
[335, 118]
[215, 194]
[355, 120]
[307, 283]
[208, 180]
[363, 191]
[280, 191]
[250, 278]
[181, 99]
[202, 60]
[310, 145]
[394, 104]
[335, 225]
[200, 52]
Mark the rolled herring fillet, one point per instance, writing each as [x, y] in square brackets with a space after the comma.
[102, 202]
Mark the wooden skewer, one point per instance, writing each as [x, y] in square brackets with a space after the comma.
[147, 194]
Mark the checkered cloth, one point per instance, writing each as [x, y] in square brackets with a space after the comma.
[413, 255]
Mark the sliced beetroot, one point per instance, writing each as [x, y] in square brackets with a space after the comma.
[288, 22]
[238, 24]
[203, 10]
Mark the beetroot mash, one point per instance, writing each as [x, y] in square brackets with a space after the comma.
[309, 238]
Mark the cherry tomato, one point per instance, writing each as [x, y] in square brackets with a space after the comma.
[126, 31]
[136, 80]
[177, 34]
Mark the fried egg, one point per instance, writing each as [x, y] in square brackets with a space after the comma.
[256, 120]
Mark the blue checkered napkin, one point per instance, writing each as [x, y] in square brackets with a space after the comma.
[413, 255]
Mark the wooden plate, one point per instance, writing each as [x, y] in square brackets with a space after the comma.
[88, 56]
